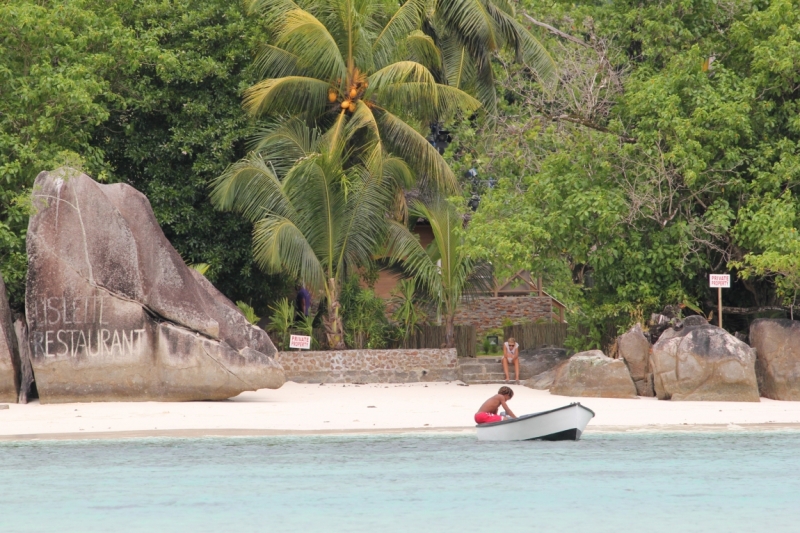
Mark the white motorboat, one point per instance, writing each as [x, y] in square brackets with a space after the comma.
[564, 423]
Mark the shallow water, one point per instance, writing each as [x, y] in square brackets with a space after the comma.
[667, 482]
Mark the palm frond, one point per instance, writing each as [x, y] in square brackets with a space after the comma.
[403, 247]
[249, 187]
[274, 62]
[399, 72]
[305, 37]
[407, 143]
[279, 245]
[364, 225]
[284, 142]
[486, 88]
[430, 103]
[405, 20]
[459, 66]
[472, 23]
[424, 51]
[290, 94]
[527, 48]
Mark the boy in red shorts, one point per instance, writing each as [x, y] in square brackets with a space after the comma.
[488, 411]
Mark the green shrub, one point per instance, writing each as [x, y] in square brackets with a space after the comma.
[249, 312]
[364, 316]
[281, 321]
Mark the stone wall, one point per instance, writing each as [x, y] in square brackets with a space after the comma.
[369, 366]
[489, 313]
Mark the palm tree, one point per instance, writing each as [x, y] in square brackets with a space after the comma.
[443, 269]
[408, 65]
[330, 65]
[312, 217]
[455, 40]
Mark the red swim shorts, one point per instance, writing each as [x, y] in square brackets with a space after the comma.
[485, 418]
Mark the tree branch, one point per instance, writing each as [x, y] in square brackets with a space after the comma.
[594, 126]
[554, 31]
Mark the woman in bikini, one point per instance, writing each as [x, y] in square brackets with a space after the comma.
[511, 355]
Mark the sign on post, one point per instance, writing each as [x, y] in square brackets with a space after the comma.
[301, 342]
[720, 281]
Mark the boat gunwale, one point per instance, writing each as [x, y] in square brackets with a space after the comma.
[534, 415]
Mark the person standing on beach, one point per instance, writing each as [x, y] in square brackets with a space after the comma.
[511, 355]
[488, 411]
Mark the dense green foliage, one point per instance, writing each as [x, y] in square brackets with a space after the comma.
[670, 151]
[59, 71]
[142, 91]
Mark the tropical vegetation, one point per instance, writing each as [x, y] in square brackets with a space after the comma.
[663, 148]
[444, 269]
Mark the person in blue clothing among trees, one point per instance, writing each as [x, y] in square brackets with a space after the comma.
[303, 301]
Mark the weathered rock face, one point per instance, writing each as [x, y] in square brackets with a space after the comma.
[544, 380]
[9, 353]
[594, 374]
[703, 362]
[115, 314]
[25, 367]
[777, 345]
[634, 349]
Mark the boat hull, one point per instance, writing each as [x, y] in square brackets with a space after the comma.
[564, 423]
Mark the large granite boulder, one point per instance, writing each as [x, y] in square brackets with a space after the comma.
[777, 345]
[9, 353]
[634, 348]
[594, 374]
[115, 314]
[703, 362]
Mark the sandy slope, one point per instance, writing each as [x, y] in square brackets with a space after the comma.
[347, 408]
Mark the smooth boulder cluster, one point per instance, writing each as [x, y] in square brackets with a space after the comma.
[692, 360]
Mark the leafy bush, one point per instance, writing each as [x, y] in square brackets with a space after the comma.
[281, 321]
[408, 314]
[249, 312]
[364, 316]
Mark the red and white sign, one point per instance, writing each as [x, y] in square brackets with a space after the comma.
[722, 281]
[300, 341]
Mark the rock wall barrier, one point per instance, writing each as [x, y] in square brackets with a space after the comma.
[370, 366]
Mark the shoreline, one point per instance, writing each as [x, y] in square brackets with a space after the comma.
[467, 430]
[371, 409]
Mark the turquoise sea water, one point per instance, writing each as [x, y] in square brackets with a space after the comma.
[674, 482]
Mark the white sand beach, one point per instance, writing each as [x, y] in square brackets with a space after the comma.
[385, 408]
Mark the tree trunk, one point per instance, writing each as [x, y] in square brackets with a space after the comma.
[449, 331]
[333, 321]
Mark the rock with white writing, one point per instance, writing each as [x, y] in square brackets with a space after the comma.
[9, 353]
[594, 374]
[777, 345]
[705, 363]
[634, 348]
[115, 314]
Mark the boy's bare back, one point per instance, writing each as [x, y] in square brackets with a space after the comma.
[493, 404]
